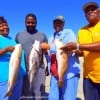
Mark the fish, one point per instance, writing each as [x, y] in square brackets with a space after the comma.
[62, 61]
[14, 66]
[35, 57]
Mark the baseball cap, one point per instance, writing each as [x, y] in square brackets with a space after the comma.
[94, 4]
[60, 18]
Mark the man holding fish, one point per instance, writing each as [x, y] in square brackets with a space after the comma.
[33, 88]
[64, 67]
[89, 48]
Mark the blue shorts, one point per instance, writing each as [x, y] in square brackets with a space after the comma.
[67, 92]
[16, 94]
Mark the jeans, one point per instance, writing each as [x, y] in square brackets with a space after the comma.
[67, 92]
[16, 93]
[91, 90]
[38, 86]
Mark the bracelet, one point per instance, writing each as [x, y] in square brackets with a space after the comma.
[77, 46]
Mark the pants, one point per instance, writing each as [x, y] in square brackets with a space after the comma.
[39, 86]
[67, 92]
[91, 90]
[16, 93]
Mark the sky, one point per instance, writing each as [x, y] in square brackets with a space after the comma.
[15, 11]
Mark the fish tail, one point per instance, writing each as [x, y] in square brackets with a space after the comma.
[9, 93]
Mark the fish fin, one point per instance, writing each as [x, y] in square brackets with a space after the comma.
[9, 93]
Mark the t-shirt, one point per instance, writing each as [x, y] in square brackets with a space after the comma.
[91, 66]
[66, 36]
[27, 39]
[4, 59]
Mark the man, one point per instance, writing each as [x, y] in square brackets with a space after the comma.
[6, 48]
[27, 38]
[89, 46]
[67, 91]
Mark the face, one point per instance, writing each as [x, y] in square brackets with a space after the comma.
[1, 28]
[5, 29]
[31, 23]
[92, 14]
[58, 25]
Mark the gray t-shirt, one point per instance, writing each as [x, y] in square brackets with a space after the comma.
[27, 39]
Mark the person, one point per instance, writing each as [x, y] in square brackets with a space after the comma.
[67, 91]
[6, 48]
[27, 38]
[89, 46]
[1, 27]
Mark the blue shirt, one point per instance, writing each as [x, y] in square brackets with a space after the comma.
[4, 59]
[67, 35]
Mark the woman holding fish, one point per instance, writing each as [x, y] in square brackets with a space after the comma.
[65, 68]
[11, 73]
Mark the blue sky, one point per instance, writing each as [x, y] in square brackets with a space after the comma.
[46, 10]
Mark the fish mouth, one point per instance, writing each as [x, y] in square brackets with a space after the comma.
[9, 93]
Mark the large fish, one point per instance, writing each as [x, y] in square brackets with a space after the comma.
[14, 66]
[34, 63]
[62, 60]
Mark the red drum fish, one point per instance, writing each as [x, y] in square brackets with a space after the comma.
[62, 60]
[34, 63]
[14, 66]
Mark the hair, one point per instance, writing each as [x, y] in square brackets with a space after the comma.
[5, 21]
[31, 15]
[1, 19]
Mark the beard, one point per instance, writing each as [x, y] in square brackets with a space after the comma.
[31, 30]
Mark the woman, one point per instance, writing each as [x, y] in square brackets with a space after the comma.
[6, 48]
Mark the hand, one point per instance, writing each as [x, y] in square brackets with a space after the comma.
[70, 46]
[45, 46]
[10, 48]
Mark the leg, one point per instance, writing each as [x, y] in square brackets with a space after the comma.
[70, 88]
[3, 90]
[99, 90]
[25, 87]
[39, 85]
[90, 90]
[54, 90]
[16, 94]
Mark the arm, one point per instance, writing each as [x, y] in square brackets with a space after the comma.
[7, 49]
[47, 71]
[45, 47]
[93, 47]
[16, 38]
[3, 51]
